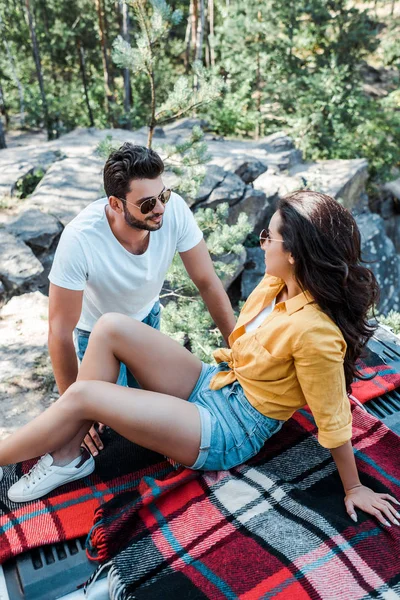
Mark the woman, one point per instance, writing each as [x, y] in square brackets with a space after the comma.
[295, 343]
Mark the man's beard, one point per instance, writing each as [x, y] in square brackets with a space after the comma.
[145, 225]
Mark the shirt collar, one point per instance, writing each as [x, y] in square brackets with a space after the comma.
[298, 302]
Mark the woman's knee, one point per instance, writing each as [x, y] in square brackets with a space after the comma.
[77, 398]
[111, 324]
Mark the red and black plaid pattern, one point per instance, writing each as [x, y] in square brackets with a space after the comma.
[275, 527]
[381, 379]
[68, 511]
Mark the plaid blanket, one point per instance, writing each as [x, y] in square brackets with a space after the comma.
[275, 527]
[381, 374]
[68, 511]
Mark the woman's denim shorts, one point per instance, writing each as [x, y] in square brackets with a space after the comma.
[232, 430]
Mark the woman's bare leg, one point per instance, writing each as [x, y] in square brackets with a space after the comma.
[157, 362]
[160, 422]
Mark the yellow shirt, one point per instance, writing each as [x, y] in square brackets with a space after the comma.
[294, 358]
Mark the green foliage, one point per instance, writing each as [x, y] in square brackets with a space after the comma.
[185, 317]
[26, 185]
[392, 320]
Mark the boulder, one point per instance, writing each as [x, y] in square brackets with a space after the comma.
[20, 162]
[254, 270]
[393, 187]
[341, 179]
[258, 207]
[248, 169]
[276, 142]
[214, 177]
[68, 187]
[18, 265]
[230, 190]
[380, 255]
[35, 228]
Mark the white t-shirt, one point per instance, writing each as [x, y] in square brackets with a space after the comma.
[89, 257]
[260, 318]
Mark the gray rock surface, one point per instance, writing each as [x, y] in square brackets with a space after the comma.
[247, 169]
[26, 381]
[230, 190]
[16, 163]
[68, 187]
[35, 228]
[254, 271]
[380, 255]
[18, 265]
[258, 207]
[341, 179]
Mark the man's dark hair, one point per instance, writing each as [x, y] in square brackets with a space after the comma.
[127, 163]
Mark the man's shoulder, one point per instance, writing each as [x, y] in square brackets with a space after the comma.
[89, 218]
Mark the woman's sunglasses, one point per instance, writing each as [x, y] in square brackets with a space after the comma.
[265, 237]
[149, 204]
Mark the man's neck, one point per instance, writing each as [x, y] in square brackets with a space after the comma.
[132, 239]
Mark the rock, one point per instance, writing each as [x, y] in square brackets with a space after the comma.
[2, 291]
[380, 255]
[393, 187]
[254, 271]
[229, 259]
[68, 187]
[247, 169]
[17, 163]
[285, 160]
[184, 124]
[276, 184]
[35, 228]
[276, 142]
[341, 179]
[25, 368]
[258, 207]
[230, 190]
[18, 265]
[214, 177]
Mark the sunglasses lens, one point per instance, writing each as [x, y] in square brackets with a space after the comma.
[165, 196]
[148, 205]
[263, 237]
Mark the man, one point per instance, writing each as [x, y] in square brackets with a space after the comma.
[113, 257]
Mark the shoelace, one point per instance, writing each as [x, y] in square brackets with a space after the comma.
[38, 470]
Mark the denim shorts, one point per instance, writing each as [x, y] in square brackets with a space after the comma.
[125, 377]
[232, 430]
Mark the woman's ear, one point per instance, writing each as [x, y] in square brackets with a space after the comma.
[291, 259]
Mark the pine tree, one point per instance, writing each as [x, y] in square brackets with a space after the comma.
[154, 24]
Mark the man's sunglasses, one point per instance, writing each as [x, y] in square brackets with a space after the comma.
[149, 204]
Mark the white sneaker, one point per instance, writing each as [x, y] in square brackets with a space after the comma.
[45, 477]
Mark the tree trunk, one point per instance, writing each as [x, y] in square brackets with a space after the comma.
[2, 137]
[194, 18]
[200, 30]
[15, 77]
[3, 106]
[188, 39]
[36, 56]
[211, 32]
[109, 98]
[127, 76]
[82, 67]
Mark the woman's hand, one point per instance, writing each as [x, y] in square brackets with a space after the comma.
[378, 505]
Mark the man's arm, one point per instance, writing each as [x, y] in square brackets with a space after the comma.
[64, 311]
[200, 269]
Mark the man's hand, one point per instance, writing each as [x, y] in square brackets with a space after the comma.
[92, 440]
[378, 505]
